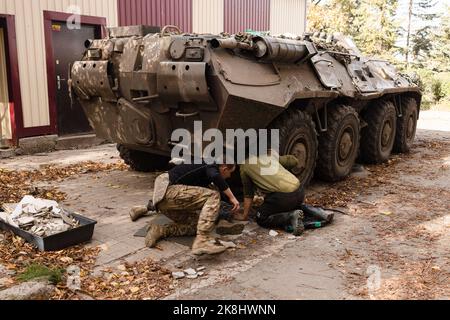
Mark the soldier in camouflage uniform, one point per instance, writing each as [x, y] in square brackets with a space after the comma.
[185, 196]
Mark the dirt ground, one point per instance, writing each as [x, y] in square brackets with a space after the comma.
[392, 243]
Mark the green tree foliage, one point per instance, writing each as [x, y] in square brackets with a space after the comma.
[421, 31]
[437, 90]
[369, 22]
[376, 28]
[422, 43]
[439, 56]
[423, 9]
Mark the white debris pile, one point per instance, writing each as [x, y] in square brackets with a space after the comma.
[189, 273]
[41, 217]
[273, 233]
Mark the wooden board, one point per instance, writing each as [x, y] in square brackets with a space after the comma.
[9, 207]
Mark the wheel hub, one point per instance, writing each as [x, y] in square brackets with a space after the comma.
[345, 146]
[386, 134]
[299, 150]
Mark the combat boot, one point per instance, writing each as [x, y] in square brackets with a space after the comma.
[318, 213]
[154, 234]
[206, 245]
[299, 227]
[138, 212]
[227, 228]
[158, 232]
[295, 225]
[290, 221]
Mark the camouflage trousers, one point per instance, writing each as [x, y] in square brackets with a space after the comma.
[194, 208]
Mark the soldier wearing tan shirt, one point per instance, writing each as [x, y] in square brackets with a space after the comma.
[282, 192]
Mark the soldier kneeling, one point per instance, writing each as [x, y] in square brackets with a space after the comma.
[283, 194]
[180, 194]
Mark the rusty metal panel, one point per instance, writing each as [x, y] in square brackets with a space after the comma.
[246, 72]
[156, 13]
[92, 80]
[241, 15]
[208, 16]
[288, 16]
[183, 81]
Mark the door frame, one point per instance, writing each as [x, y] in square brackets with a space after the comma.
[15, 98]
[49, 17]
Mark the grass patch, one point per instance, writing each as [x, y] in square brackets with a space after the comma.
[36, 271]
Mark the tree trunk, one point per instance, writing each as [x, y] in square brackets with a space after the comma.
[408, 36]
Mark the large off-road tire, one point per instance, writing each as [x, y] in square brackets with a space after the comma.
[298, 137]
[339, 146]
[406, 126]
[378, 137]
[142, 161]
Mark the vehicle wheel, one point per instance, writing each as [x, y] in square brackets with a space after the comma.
[339, 146]
[298, 137]
[142, 161]
[406, 126]
[377, 138]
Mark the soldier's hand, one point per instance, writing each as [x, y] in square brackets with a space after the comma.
[236, 205]
[258, 201]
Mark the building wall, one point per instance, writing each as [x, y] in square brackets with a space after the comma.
[156, 13]
[288, 16]
[276, 16]
[5, 123]
[241, 15]
[31, 47]
[208, 16]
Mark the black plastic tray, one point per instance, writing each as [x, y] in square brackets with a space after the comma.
[58, 241]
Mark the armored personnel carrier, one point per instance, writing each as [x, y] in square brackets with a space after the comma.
[331, 104]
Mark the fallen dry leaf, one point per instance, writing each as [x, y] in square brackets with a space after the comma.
[14, 185]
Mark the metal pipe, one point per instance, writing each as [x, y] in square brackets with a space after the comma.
[230, 43]
[339, 53]
[147, 98]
